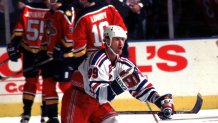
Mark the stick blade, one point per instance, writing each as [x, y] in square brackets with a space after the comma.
[196, 107]
[198, 104]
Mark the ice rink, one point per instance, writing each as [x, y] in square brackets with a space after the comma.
[204, 116]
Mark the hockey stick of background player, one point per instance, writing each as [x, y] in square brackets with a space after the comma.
[26, 70]
[194, 110]
[5, 61]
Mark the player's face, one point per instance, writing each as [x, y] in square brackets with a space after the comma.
[117, 44]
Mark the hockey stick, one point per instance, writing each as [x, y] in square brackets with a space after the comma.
[194, 110]
[26, 70]
[150, 109]
[5, 61]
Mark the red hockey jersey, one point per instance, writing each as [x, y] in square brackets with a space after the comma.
[90, 25]
[59, 27]
[31, 27]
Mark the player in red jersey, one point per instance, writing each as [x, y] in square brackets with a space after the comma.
[26, 39]
[59, 22]
[88, 36]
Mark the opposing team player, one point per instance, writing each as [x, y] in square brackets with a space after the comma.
[88, 36]
[107, 75]
[26, 39]
[59, 22]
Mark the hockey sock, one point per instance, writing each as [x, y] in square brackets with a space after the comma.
[52, 110]
[27, 106]
[43, 109]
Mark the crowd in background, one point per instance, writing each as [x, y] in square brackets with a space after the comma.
[149, 19]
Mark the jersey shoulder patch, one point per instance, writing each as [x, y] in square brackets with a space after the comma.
[67, 10]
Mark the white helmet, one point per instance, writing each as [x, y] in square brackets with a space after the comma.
[114, 31]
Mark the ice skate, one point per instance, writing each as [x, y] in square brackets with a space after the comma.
[25, 119]
[53, 120]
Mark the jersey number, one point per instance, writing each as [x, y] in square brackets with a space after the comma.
[98, 31]
[93, 72]
[35, 28]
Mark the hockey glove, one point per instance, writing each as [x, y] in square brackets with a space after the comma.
[58, 54]
[13, 52]
[165, 103]
[125, 80]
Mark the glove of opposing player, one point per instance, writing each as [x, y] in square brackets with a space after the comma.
[166, 105]
[13, 52]
[61, 53]
[58, 54]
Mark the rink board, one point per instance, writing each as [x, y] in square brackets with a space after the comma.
[181, 67]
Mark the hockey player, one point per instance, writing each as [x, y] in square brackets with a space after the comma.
[26, 39]
[107, 75]
[59, 22]
[91, 20]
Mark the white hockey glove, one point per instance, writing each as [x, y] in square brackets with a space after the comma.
[166, 104]
[125, 80]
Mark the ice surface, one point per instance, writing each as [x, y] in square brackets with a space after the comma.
[204, 116]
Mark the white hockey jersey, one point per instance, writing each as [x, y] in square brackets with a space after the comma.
[98, 72]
